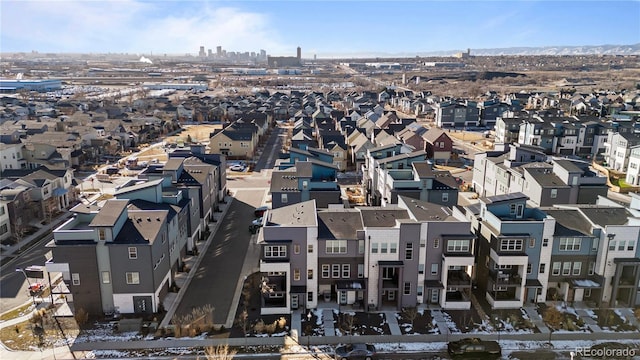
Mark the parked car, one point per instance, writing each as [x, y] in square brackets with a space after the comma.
[357, 351]
[474, 347]
[237, 167]
[259, 212]
[257, 222]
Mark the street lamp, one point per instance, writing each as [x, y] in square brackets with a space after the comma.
[33, 298]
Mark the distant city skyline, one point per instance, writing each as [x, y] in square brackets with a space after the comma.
[322, 28]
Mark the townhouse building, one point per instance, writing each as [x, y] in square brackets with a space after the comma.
[19, 209]
[457, 114]
[11, 156]
[306, 180]
[524, 169]
[367, 257]
[510, 247]
[618, 148]
[113, 258]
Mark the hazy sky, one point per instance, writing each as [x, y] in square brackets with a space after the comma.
[325, 28]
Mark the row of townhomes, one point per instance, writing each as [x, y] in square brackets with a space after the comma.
[417, 252]
[122, 254]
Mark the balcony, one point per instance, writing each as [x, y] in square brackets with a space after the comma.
[504, 299]
[458, 278]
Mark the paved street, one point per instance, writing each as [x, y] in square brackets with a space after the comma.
[220, 273]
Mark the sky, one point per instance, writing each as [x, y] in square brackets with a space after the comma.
[322, 28]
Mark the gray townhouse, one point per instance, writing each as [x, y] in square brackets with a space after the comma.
[510, 250]
[306, 180]
[387, 257]
[524, 169]
[113, 258]
[151, 195]
[457, 114]
[199, 181]
[611, 232]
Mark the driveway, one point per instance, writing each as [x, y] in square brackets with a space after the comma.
[221, 270]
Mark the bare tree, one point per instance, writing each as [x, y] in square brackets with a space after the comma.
[410, 313]
[243, 321]
[347, 323]
[553, 318]
[220, 352]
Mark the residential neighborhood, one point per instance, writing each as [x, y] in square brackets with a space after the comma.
[478, 211]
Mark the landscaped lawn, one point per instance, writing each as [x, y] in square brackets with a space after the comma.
[570, 321]
[611, 320]
[422, 324]
[360, 323]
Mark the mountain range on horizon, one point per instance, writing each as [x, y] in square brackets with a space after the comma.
[633, 49]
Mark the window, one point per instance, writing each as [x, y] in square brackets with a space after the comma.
[631, 245]
[532, 242]
[570, 244]
[374, 248]
[458, 245]
[133, 278]
[310, 248]
[133, 252]
[408, 252]
[612, 245]
[336, 247]
[310, 274]
[554, 193]
[512, 209]
[592, 268]
[102, 234]
[545, 242]
[106, 277]
[346, 271]
[393, 248]
[4, 228]
[284, 199]
[2, 210]
[325, 271]
[529, 268]
[436, 243]
[383, 248]
[407, 288]
[587, 292]
[275, 251]
[296, 274]
[566, 268]
[511, 245]
[445, 197]
[434, 269]
[594, 244]
[419, 290]
[420, 268]
[296, 248]
[310, 296]
[360, 271]
[335, 271]
[556, 268]
[577, 268]
[75, 279]
[621, 245]
[541, 268]
[360, 246]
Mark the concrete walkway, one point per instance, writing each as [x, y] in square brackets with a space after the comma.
[536, 318]
[327, 322]
[392, 321]
[441, 321]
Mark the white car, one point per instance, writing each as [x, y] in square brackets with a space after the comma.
[237, 167]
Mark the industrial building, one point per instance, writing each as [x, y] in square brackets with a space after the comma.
[41, 85]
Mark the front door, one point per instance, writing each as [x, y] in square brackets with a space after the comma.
[142, 305]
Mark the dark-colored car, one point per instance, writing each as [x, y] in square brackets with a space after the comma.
[259, 212]
[356, 352]
[474, 348]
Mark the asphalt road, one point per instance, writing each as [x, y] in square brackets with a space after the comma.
[13, 284]
[217, 276]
